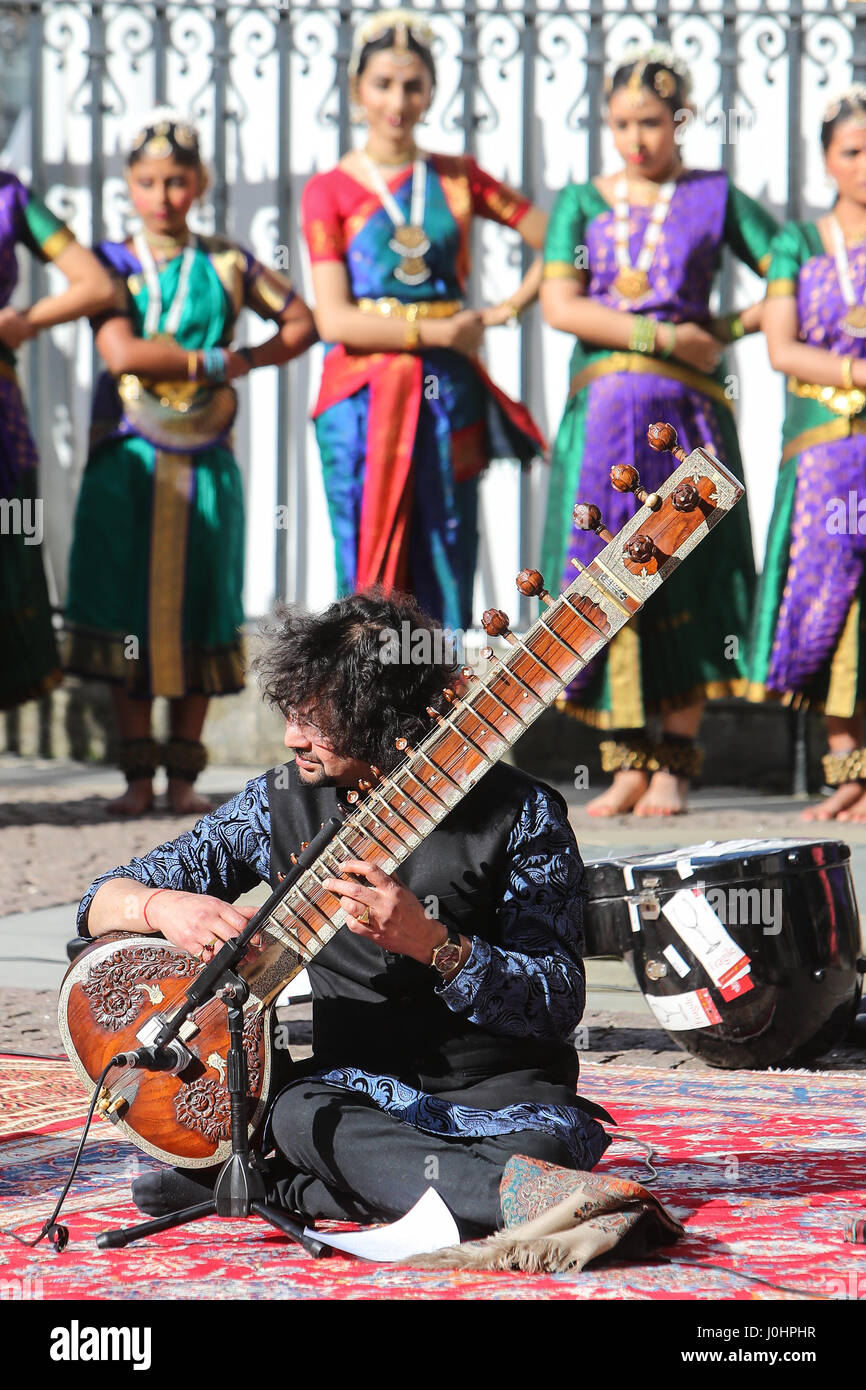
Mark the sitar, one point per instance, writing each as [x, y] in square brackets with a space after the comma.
[124, 987]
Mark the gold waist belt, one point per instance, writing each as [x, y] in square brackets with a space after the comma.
[425, 309]
[836, 398]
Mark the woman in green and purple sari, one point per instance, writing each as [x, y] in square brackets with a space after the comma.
[809, 635]
[629, 267]
[156, 571]
[29, 666]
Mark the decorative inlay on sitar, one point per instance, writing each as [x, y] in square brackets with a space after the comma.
[179, 1118]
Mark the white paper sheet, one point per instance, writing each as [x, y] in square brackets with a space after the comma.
[428, 1226]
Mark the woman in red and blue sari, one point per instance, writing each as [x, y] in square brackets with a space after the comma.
[407, 418]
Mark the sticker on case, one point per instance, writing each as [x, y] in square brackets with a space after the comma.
[704, 933]
[673, 956]
[680, 1012]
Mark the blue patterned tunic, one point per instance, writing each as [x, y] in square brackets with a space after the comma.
[533, 985]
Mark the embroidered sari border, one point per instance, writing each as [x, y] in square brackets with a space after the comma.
[640, 364]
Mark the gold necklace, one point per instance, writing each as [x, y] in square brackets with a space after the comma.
[164, 245]
[393, 163]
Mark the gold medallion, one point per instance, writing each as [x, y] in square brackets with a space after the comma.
[412, 244]
[854, 321]
[410, 238]
[631, 283]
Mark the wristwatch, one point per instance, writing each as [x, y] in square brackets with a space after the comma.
[447, 956]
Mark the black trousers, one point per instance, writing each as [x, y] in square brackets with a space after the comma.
[349, 1160]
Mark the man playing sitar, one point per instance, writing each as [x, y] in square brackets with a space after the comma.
[442, 1017]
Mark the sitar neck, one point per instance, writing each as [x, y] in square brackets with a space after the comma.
[478, 726]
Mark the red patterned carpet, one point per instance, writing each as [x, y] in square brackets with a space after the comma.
[766, 1170]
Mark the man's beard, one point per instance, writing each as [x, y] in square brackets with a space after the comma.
[316, 776]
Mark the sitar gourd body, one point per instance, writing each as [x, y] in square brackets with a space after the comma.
[115, 988]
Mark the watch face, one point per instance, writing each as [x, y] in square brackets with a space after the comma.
[446, 957]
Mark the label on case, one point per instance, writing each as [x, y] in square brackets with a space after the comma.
[680, 1012]
[704, 933]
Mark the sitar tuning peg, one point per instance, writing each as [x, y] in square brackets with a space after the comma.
[587, 517]
[663, 438]
[305, 844]
[531, 585]
[496, 623]
[640, 549]
[434, 714]
[377, 772]
[401, 744]
[625, 478]
[353, 796]
[365, 784]
[294, 858]
[685, 497]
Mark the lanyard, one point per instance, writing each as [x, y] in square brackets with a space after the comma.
[389, 202]
[154, 289]
[653, 230]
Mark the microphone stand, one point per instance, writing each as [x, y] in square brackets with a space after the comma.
[240, 1187]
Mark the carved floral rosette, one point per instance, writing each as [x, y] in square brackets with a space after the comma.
[205, 1104]
[115, 985]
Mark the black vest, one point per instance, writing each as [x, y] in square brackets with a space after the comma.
[379, 1011]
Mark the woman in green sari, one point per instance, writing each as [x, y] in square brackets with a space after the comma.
[629, 267]
[156, 572]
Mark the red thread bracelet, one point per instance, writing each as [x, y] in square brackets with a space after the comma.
[147, 904]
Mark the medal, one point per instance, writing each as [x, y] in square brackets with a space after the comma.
[853, 321]
[632, 281]
[409, 241]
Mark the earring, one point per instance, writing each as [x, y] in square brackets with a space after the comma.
[356, 114]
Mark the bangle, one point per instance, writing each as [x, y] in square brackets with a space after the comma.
[413, 329]
[147, 904]
[847, 373]
[736, 327]
[215, 361]
[643, 334]
[192, 366]
[247, 354]
[668, 351]
[513, 314]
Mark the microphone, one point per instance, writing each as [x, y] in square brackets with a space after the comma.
[173, 1058]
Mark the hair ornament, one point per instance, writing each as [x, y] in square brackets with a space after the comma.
[854, 97]
[405, 23]
[664, 83]
[163, 133]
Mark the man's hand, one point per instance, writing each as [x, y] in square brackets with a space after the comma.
[397, 920]
[197, 922]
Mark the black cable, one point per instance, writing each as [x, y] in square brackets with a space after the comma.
[60, 1234]
[744, 1274]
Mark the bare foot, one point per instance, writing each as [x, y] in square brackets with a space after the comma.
[666, 795]
[185, 801]
[627, 786]
[836, 806]
[857, 812]
[137, 800]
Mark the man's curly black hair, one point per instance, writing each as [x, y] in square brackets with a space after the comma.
[350, 671]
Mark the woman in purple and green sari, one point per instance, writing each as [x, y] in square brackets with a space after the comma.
[629, 267]
[29, 666]
[809, 635]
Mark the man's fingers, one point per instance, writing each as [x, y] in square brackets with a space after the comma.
[371, 872]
